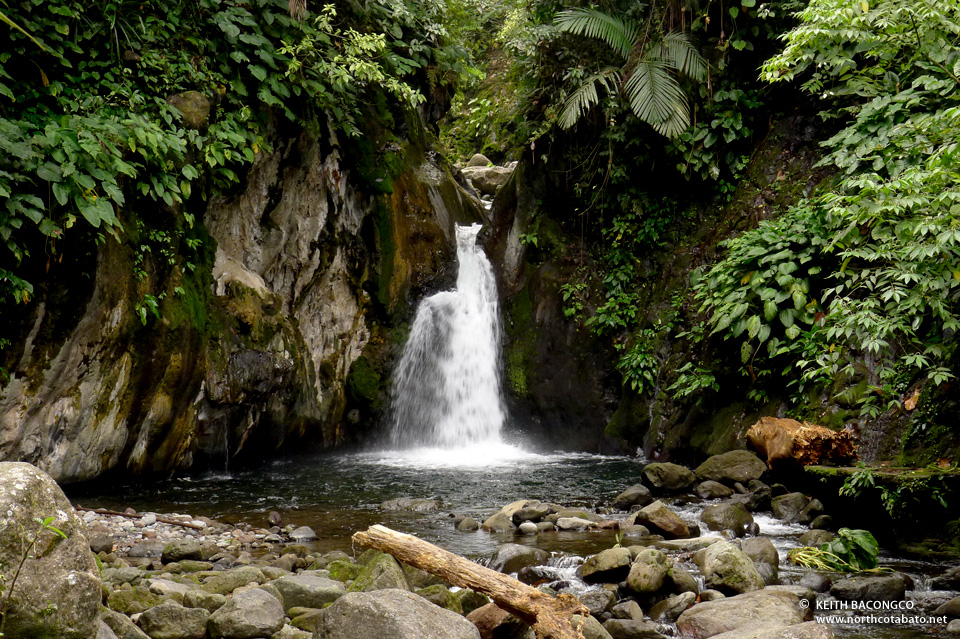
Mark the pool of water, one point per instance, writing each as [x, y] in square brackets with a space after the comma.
[339, 494]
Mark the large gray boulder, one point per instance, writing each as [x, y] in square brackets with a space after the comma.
[636, 495]
[648, 572]
[308, 591]
[728, 516]
[807, 630]
[57, 593]
[762, 607]
[510, 558]
[249, 614]
[228, 581]
[789, 507]
[382, 572]
[170, 620]
[397, 614]
[733, 466]
[667, 477]
[121, 625]
[487, 179]
[870, 588]
[660, 519]
[726, 568]
[609, 566]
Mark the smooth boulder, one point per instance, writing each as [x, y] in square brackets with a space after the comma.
[667, 477]
[509, 558]
[636, 495]
[57, 592]
[249, 614]
[727, 516]
[397, 614]
[172, 621]
[807, 630]
[727, 569]
[308, 591]
[648, 572]
[660, 519]
[609, 566]
[870, 588]
[732, 466]
[766, 607]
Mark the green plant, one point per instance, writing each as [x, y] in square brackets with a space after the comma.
[859, 481]
[28, 545]
[648, 79]
[639, 365]
[849, 551]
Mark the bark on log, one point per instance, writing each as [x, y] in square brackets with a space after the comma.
[549, 616]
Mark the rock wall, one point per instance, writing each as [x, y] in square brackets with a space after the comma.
[302, 271]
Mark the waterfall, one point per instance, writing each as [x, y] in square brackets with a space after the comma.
[447, 384]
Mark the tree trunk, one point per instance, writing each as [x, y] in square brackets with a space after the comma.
[550, 616]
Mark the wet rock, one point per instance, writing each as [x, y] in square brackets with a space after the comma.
[711, 595]
[660, 519]
[816, 582]
[631, 629]
[382, 572]
[510, 558]
[811, 511]
[725, 568]
[636, 495]
[627, 610]
[732, 466]
[410, 504]
[765, 607]
[344, 571]
[574, 523]
[610, 566]
[274, 518]
[761, 550]
[712, 490]
[439, 595]
[249, 614]
[181, 549]
[228, 581]
[499, 522]
[487, 179]
[151, 548]
[493, 622]
[727, 516]
[648, 571]
[391, 613]
[681, 580]
[808, 630]
[815, 538]
[307, 591]
[802, 592]
[950, 580]
[121, 625]
[59, 571]
[468, 524]
[870, 588]
[303, 533]
[591, 627]
[172, 621]
[536, 575]
[672, 607]
[169, 590]
[532, 512]
[822, 522]
[209, 601]
[789, 507]
[471, 600]
[101, 543]
[598, 601]
[133, 601]
[479, 159]
[528, 528]
[667, 477]
[954, 627]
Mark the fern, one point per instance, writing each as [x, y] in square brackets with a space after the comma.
[656, 97]
[585, 96]
[621, 35]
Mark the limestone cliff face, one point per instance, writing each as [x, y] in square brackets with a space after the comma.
[254, 345]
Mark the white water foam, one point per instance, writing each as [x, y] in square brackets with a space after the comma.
[447, 384]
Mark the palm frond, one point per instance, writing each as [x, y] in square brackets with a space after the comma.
[585, 96]
[677, 50]
[656, 98]
[618, 33]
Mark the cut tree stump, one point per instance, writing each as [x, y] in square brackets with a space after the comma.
[549, 616]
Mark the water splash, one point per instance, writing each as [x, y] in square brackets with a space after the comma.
[447, 384]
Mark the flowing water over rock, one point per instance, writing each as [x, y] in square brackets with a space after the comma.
[447, 384]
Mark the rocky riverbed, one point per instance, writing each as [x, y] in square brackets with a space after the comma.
[672, 571]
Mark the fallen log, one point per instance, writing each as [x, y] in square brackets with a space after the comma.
[162, 520]
[549, 616]
[785, 441]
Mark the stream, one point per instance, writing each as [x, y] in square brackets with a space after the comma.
[337, 495]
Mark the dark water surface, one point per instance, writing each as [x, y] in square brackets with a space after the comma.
[339, 494]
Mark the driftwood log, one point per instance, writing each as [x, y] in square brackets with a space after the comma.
[549, 616]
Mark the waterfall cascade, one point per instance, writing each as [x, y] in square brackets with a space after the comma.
[447, 384]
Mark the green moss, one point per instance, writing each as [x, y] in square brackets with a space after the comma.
[363, 382]
[344, 571]
[521, 349]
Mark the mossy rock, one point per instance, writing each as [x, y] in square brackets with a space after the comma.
[441, 596]
[380, 573]
[343, 570]
[130, 602]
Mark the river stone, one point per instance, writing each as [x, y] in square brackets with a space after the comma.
[172, 621]
[788, 507]
[533, 512]
[132, 601]
[61, 574]
[344, 570]
[733, 466]
[636, 495]
[648, 571]
[816, 582]
[725, 568]
[681, 580]
[396, 614]
[591, 627]
[712, 490]
[440, 595]
[499, 522]
[306, 591]
[628, 609]
[510, 558]
[660, 519]
[470, 600]
[950, 608]
[870, 588]
[468, 524]
[815, 538]
[493, 622]
[528, 528]
[303, 533]
[949, 580]
[808, 630]
[487, 179]
[574, 523]
[671, 607]
[610, 566]
[289, 632]
[229, 580]
[121, 625]
[169, 590]
[667, 477]
[774, 608]
[631, 629]
[249, 614]
[209, 601]
[822, 522]
[478, 159]
[811, 511]
[382, 572]
[598, 601]
[181, 549]
[105, 632]
[728, 516]
[410, 504]
[761, 550]
[953, 627]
